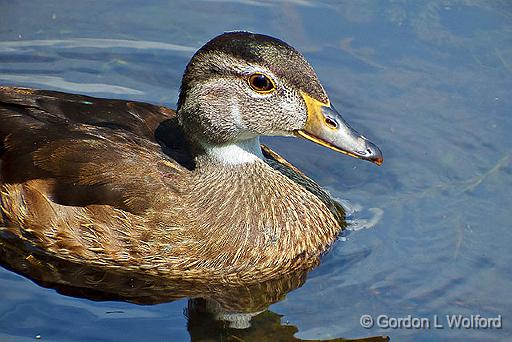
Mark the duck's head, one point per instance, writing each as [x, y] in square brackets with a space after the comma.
[241, 85]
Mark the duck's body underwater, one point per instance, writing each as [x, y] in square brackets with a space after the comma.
[189, 193]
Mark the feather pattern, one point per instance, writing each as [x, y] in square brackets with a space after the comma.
[103, 192]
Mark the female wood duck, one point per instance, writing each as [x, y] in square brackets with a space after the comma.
[186, 194]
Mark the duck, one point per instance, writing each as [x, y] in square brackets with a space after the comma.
[189, 193]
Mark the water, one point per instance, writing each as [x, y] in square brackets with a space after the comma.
[428, 82]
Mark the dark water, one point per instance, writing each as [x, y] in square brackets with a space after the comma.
[429, 82]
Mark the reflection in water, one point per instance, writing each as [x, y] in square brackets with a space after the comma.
[203, 325]
[227, 312]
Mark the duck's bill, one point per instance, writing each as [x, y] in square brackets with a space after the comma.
[326, 127]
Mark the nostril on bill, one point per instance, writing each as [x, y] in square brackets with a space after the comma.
[331, 122]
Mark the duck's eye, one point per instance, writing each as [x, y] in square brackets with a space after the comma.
[261, 83]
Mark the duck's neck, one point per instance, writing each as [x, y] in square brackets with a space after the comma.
[236, 153]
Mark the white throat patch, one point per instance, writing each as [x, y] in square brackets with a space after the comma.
[247, 151]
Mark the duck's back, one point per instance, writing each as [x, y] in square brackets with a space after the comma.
[56, 107]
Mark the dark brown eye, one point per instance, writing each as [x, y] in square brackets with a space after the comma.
[261, 83]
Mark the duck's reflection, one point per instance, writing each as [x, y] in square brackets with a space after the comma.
[214, 312]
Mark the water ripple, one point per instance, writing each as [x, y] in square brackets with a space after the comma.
[60, 83]
[10, 46]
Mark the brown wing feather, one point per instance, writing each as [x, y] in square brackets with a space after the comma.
[141, 119]
[92, 148]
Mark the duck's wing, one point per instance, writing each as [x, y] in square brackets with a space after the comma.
[85, 150]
